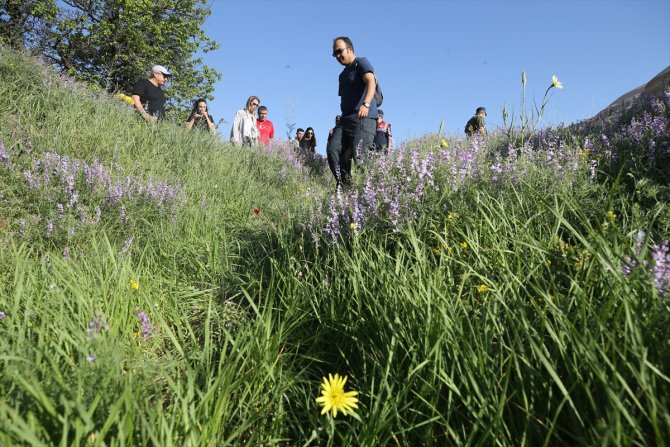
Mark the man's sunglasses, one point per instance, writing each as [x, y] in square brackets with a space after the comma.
[338, 52]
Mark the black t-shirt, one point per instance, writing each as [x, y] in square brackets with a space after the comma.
[152, 97]
[201, 122]
[307, 145]
[352, 89]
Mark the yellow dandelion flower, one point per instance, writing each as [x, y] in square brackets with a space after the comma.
[134, 284]
[555, 82]
[443, 143]
[333, 398]
[464, 245]
[437, 250]
[611, 215]
[482, 288]
[352, 226]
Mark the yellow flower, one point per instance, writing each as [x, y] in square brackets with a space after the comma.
[126, 98]
[334, 398]
[611, 215]
[464, 245]
[482, 288]
[134, 284]
[443, 143]
[548, 262]
[437, 250]
[555, 82]
[352, 226]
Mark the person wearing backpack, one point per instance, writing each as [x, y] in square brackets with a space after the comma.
[383, 137]
[357, 89]
[477, 124]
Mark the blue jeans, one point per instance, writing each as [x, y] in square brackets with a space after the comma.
[353, 138]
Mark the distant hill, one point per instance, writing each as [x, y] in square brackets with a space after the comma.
[655, 87]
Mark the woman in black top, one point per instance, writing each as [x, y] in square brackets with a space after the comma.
[308, 141]
[200, 117]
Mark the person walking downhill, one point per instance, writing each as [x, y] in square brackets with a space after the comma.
[295, 142]
[266, 130]
[357, 84]
[244, 131]
[383, 137]
[147, 95]
[308, 141]
[477, 124]
[200, 118]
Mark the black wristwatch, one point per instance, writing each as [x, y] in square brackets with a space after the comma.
[367, 105]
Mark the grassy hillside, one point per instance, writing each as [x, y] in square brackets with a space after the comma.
[159, 287]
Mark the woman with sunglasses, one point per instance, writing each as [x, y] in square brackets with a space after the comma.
[308, 141]
[244, 131]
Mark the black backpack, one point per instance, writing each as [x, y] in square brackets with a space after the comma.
[471, 127]
[379, 96]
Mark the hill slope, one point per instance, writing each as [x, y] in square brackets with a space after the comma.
[158, 287]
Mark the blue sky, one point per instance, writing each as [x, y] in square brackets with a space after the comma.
[434, 59]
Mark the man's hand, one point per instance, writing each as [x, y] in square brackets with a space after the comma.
[148, 118]
[363, 111]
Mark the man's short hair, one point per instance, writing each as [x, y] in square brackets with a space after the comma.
[300, 130]
[346, 41]
[262, 109]
[480, 109]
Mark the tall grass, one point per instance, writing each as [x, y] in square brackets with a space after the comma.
[473, 295]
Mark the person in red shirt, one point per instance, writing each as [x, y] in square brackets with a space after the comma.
[265, 127]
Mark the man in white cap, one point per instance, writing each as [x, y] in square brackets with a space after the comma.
[148, 96]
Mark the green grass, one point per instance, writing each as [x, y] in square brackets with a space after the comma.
[248, 313]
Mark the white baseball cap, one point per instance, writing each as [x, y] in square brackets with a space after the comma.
[160, 69]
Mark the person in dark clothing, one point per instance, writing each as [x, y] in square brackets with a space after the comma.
[357, 85]
[308, 141]
[148, 96]
[200, 117]
[477, 124]
[383, 137]
[334, 147]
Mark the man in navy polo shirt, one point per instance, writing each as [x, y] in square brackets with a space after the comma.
[359, 110]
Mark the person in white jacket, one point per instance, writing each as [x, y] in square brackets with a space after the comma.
[244, 131]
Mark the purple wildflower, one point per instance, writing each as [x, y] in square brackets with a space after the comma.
[126, 245]
[66, 253]
[143, 318]
[661, 270]
[97, 325]
[91, 358]
[4, 157]
[2, 315]
[50, 228]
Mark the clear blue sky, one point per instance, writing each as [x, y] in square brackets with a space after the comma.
[434, 59]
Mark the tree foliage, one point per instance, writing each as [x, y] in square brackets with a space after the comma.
[22, 21]
[114, 43]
